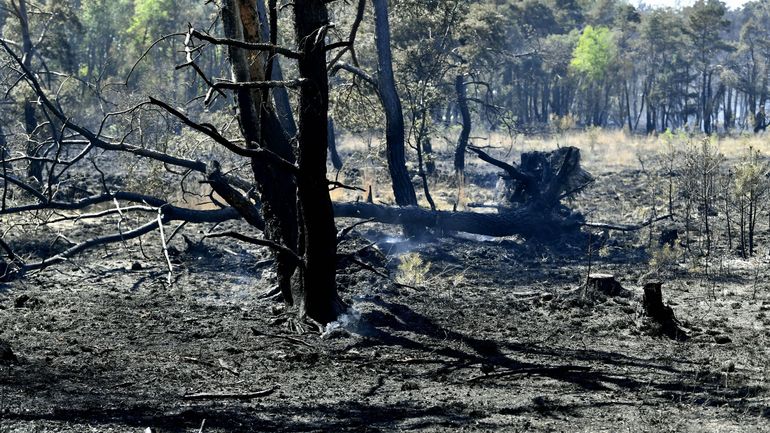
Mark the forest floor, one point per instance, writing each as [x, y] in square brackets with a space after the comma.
[494, 335]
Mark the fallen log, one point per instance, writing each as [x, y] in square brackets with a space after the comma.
[531, 206]
[526, 222]
[230, 395]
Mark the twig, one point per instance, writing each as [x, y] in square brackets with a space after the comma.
[230, 395]
[254, 46]
[268, 84]
[9, 251]
[512, 171]
[165, 246]
[257, 241]
[285, 337]
[625, 228]
[528, 370]
[212, 133]
[177, 230]
[336, 184]
[147, 51]
[346, 231]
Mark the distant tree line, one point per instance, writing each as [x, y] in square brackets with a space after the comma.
[596, 63]
[517, 63]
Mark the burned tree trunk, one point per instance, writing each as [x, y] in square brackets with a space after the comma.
[35, 168]
[521, 222]
[403, 190]
[261, 128]
[542, 180]
[332, 139]
[662, 315]
[280, 94]
[465, 133]
[605, 284]
[316, 294]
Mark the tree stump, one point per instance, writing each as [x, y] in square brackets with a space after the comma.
[661, 314]
[605, 284]
[6, 354]
[668, 237]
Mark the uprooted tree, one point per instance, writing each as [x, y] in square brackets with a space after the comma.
[532, 204]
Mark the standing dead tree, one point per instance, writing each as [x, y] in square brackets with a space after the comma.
[384, 84]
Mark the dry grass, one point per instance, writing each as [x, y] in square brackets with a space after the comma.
[608, 149]
[603, 151]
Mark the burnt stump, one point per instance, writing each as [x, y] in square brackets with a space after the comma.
[662, 315]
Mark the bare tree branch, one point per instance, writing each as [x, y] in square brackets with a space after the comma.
[245, 45]
[257, 241]
[259, 84]
[357, 72]
[626, 227]
[211, 132]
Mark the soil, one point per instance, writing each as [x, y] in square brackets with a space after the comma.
[486, 335]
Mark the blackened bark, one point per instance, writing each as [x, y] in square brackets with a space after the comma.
[628, 106]
[526, 222]
[261, 127]
[729, 121]
[332, 139]
[35, 168]
[403, 190]
[465, 133]
[430, 164]
[532, 207]
[316, 294]
[662, 314]
[705, 113]
[4, 154]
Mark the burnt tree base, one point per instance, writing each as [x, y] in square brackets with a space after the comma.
[605, 284]
[661, 314]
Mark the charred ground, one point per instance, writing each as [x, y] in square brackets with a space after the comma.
[496, 335]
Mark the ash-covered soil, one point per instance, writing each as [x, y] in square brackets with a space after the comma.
[493, 335]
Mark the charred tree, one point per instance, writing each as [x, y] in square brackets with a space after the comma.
[261, 128]
[35, 168]
[465, 133]
[430, 163]
[280, 94]
[605, 284]
[291, 205]
[662, 315]
[316, 293]
[403, 189]
[332, 139]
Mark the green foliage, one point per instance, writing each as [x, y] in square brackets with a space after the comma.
[594, 53]
[705, 24]
[150, 17]
[664, 258]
